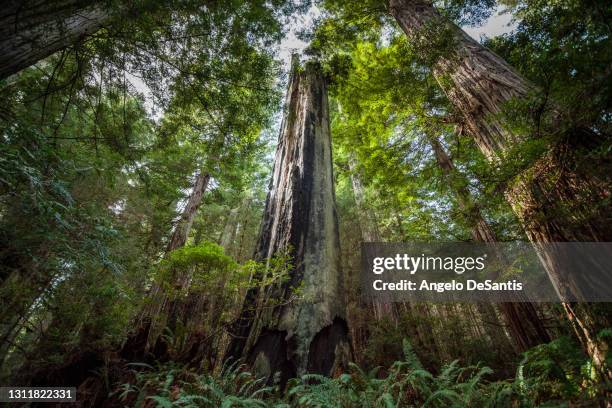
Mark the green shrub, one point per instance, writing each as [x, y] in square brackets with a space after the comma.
[550, 375]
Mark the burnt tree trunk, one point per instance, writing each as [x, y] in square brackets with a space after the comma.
[162, 309]
[33, 30]
[553, 200]
[308, 334]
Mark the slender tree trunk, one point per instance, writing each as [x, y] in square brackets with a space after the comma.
[369, 233]
[307, 334]
[183, 226]
[27, 282]
[162, 309]
[32, 30]
[205, 346]
[479, 84]
[367, 221]
[481, 231]
[522, 318]
[242, 239]
[229, 230]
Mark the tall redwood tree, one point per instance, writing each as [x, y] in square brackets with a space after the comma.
[278, 331]
[553, 200]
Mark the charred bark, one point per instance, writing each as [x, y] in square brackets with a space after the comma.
[309, 333]
[33, 30]
[554, 200]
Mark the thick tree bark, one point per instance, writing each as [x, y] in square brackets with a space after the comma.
[479, 84]
[33, 30]
[163, 309]
[308, 334]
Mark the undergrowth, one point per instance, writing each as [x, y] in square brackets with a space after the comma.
[549, 375]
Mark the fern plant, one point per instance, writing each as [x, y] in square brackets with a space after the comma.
[547, 376]
[175, 386]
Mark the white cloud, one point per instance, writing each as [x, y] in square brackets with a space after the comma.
[291, 43]
[499, 23]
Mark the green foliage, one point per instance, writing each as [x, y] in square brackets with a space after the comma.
[388, 107]
[272, 272]
[101, 141]
[176, 386]
[557, 370]
[405, 383]
[563, 47]
[207, 256]
[91, 172]
[60, 237]
[467, 12]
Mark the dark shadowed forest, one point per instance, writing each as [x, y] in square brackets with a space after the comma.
[184, 195]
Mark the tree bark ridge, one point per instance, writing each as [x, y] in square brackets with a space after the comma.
[307, 334]
[554, 201]
[31, 31]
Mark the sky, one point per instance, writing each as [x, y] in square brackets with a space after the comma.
[498, 23]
